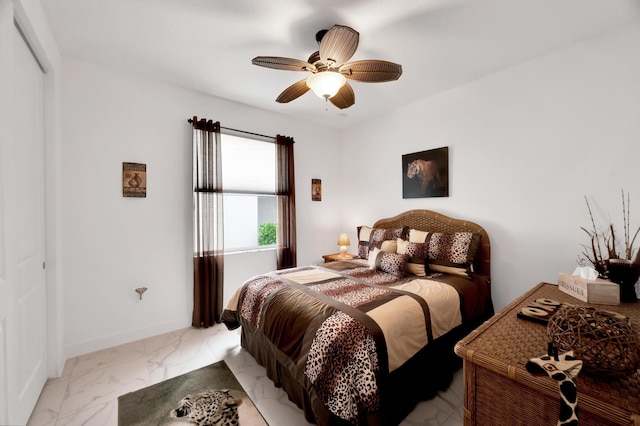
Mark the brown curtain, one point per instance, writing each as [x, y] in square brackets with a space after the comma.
[208, 252]
[286, 201]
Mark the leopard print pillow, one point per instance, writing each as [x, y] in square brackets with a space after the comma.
[379, 236]
[370, 238]
[417, 255]
[364, 234]
[391, 263]
[209, 408]
[452, 252]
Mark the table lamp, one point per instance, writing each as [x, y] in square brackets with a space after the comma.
[343, 242]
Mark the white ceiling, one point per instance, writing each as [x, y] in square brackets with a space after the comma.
[207, 45]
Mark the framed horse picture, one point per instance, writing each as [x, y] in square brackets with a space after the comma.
[426, 174]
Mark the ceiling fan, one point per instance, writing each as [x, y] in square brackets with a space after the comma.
[330, 69]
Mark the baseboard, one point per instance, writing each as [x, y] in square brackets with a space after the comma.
[104, 342]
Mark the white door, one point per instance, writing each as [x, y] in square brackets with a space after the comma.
[23, 309]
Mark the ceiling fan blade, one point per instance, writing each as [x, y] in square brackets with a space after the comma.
[338, 45]
[279, 63]
[293, 92]
[371, 71]
[344, 98]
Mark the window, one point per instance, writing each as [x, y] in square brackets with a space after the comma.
[249, 188]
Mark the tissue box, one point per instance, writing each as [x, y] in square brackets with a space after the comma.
[597, 291]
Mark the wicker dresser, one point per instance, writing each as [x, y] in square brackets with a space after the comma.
[499, 391]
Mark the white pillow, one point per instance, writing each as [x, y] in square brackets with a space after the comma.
[416, 236]
[365, 233]
[402, 246]
[389, 246]
[372, 258]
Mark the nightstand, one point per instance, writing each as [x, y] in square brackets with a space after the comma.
[336, 256]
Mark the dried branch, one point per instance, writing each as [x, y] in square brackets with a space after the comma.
[628, 245]
[603, 244]
[594, 258]
[611, 243]
[625, 226]
[594, 235]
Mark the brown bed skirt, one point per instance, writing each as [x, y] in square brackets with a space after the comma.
[429, 371]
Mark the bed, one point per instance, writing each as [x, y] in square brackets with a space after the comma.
[362, 341]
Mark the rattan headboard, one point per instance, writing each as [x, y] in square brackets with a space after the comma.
[427, 220]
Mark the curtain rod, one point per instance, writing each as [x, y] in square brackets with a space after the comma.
[241, 131]
[248, 133]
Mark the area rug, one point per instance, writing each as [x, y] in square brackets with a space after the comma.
[152, 405]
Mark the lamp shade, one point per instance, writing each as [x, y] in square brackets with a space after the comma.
[343, 240]
[325, 84]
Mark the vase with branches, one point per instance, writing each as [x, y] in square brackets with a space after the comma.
[623, 266]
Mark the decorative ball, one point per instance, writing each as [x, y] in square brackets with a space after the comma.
[603, 340]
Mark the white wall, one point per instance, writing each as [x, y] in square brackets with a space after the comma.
[525, 146]
[113, 244]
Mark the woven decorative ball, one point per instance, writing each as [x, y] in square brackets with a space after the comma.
[603, 340]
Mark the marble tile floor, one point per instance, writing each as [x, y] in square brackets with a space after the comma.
[87, 392]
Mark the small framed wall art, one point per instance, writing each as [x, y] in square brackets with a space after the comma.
[426, 174]
[316, 190]
[134, 180]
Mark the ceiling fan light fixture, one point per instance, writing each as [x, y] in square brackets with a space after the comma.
[326, 84]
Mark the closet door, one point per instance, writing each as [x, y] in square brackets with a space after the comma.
[23, 327]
